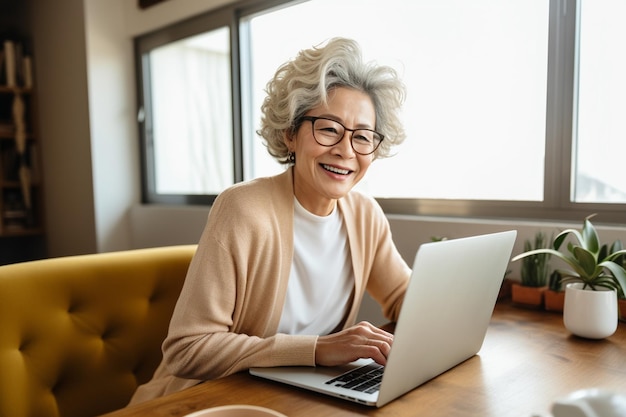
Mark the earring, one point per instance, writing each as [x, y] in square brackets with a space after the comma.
[291, 157]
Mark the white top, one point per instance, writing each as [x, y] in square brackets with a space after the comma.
[321, 280]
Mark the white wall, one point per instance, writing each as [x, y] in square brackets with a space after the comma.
[114, 144]
[156, 225]
[140, 21]
[63, 125]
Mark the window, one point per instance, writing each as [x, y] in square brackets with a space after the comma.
[476, 73]
[600, 130]
[495, 126]
[191, 93]
[187, 113]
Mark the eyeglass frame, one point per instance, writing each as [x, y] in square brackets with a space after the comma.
[313, 119]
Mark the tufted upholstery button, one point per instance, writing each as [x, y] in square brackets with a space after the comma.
[79, 334]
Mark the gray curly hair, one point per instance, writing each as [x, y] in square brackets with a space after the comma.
[304, 83]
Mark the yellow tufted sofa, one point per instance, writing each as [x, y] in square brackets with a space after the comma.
[78, 334]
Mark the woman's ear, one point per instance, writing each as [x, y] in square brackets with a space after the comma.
[289, 139]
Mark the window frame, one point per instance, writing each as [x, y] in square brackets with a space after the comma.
[559, 141]
[143, 45]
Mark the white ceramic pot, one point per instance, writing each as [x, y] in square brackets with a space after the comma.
[590, 314]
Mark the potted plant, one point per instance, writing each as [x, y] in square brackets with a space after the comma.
[533, 275]
[592, 283]
[554, 297]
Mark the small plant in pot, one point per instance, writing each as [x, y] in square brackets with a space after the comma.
[592, 283]
[554, 297]
[530, 290]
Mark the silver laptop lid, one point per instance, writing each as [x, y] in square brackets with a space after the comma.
[447, 308]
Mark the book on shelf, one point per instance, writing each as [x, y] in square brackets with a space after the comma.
[16, 67]
[27, 68]
[10, 63]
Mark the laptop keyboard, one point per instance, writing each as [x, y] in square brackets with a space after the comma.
[366, 378]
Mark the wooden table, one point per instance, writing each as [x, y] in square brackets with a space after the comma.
[528, 359]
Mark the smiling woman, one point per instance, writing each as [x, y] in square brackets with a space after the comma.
[284, 261]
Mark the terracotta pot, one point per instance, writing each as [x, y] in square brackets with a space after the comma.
[528, 296]
[590, 314]
[554, 300]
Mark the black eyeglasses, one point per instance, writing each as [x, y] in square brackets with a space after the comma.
[328, 132]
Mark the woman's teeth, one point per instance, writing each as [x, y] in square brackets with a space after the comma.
[336, 170]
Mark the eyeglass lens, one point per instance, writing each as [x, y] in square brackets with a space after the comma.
[329, 132]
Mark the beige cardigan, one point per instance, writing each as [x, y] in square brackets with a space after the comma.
[229, 309]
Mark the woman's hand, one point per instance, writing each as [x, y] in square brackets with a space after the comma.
[360, 341]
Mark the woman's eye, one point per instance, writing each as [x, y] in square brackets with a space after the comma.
[329, 131]
[362, 138]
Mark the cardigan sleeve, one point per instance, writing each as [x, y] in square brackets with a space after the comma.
[227, 314]
[203, 341]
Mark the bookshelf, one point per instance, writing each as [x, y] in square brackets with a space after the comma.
[21, 194]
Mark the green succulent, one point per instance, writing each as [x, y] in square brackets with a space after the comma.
[591, 264]
[534, 270]
[554, 282]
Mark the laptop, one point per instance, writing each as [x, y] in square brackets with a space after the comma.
[443, 322]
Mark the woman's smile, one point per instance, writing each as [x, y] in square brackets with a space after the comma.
[336, 170]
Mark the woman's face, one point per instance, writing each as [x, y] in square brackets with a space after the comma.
[323, 174]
